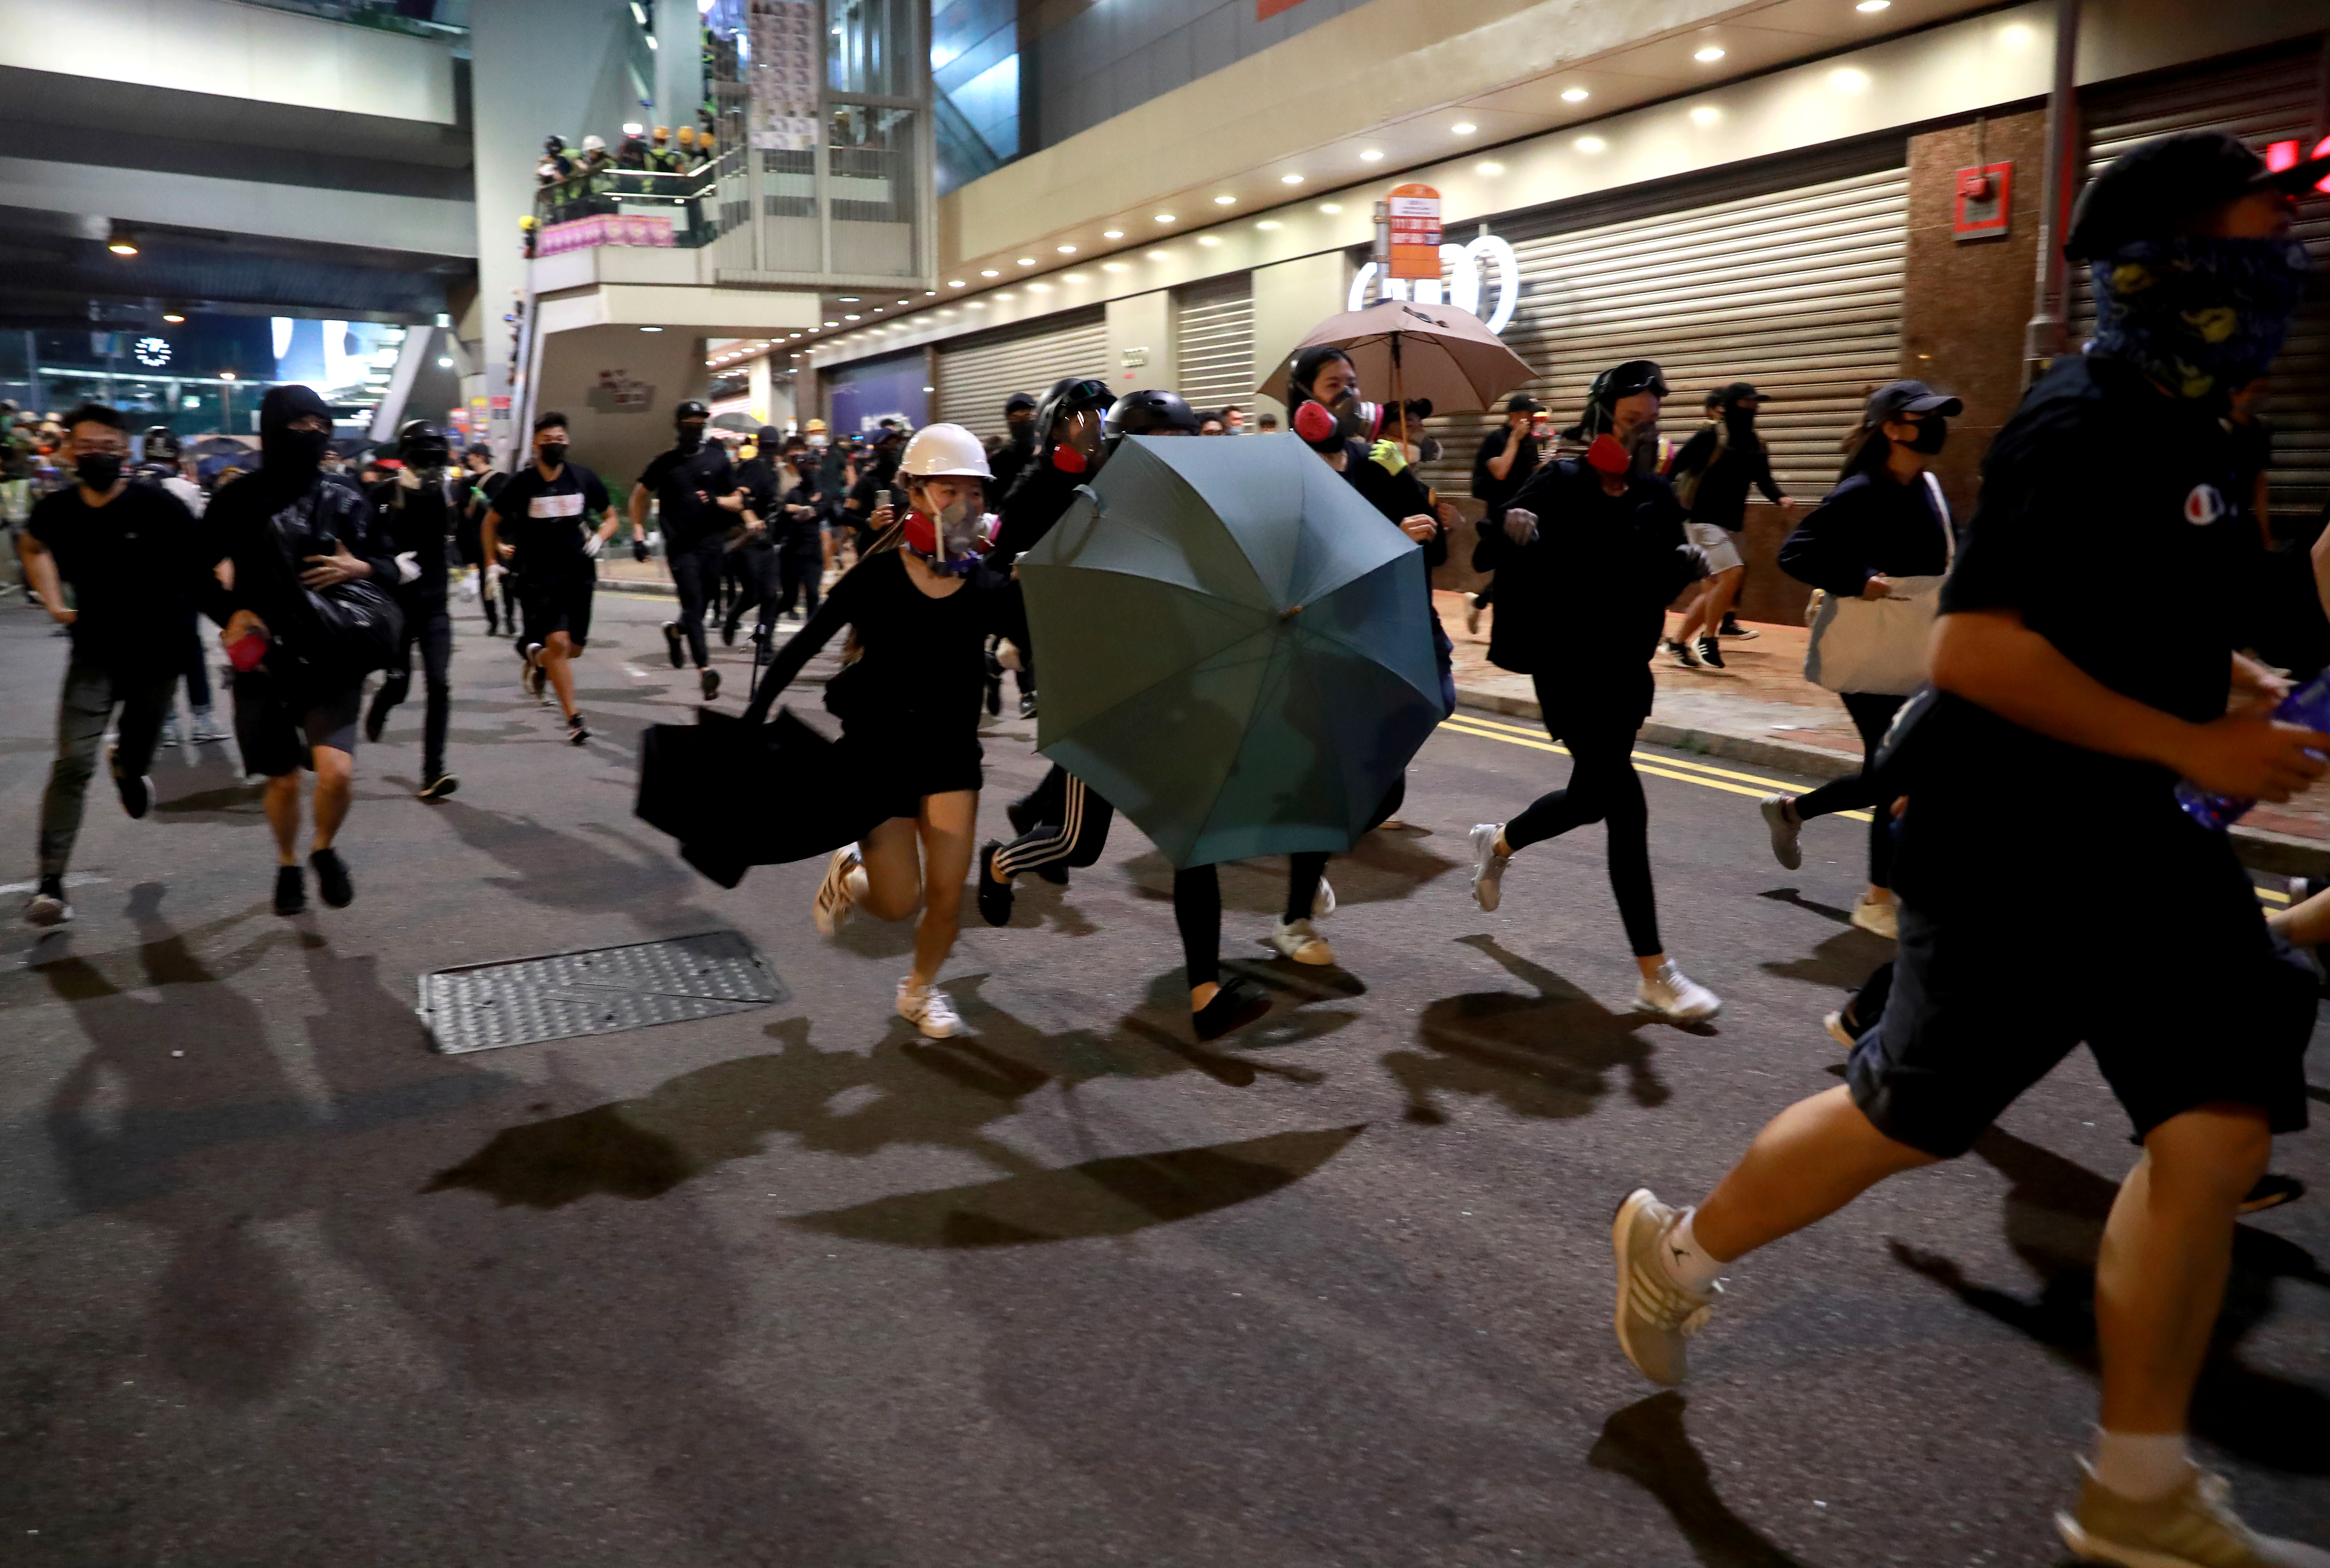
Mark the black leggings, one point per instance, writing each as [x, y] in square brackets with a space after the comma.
[1071, 829]
[1872, 715]
[797, 574]
[696, 574]
[198, 674]
[432, 627]
[1602, 788]
[1198, 896]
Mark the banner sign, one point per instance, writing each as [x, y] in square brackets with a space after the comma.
[1413, 212]
[787, 53]
[604, 228]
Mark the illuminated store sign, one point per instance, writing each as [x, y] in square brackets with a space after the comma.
[1487, 261]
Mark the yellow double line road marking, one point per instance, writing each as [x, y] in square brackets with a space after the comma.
[1699, 773]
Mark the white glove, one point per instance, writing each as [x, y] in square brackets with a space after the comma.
[496, 572]
[408, 567]
[592, 545]
[1006, 654]
[469, 585]
[1521, 526]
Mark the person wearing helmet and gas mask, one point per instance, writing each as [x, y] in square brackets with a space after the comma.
[1066, 450]
[420, 511]
[919, 608]
[1589, 554]
[697, 501]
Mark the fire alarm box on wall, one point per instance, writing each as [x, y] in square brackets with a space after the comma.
[1983, 202]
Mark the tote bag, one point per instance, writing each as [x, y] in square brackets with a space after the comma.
[1878, 646]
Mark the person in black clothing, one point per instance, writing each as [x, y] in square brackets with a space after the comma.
[696, 501]
[291, 530]
[481, 481]
[2197, 1015]
[920, 609]
[1886, 522]
[877, 477]
[751, 563]
[131, 553]
[419, 512]
[784, 546]
[1019, 428]
[1711, 475]
[1588, 555]
[1508, 455]
[541, 522]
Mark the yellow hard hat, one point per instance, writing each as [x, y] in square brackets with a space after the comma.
[816, 425]
[662, 133]
[687, 135]
[526, 221]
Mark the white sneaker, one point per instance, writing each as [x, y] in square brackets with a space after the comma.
[1834, 1024]
[1673, 995]
[1322, 902]
[831, 911]
[169, 736]
[1656, 1317]
[1488, 865]
[1780, 817]
[207, 731]
[1295, 940]
[927, 1008]
[1882, 919]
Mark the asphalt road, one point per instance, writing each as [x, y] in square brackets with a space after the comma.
[280, 1286]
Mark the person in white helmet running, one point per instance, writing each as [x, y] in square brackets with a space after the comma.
[919, 607]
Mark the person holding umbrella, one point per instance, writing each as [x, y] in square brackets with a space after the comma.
[919, 607]
[1589, 554]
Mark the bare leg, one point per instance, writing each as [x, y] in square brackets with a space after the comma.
[948, 826]
[1809, 1161]
[2160, 1275]
[2303, 925]
[335, 774]
[557, 663]
[893, 870]
[282, 802]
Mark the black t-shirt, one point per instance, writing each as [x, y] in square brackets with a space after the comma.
[423, 521]
[1486, 486]
[2099, 491]
[547, 519]
[133, 564]
[675, 476]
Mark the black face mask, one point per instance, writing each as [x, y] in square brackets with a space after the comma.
[294, 452]
[1932, 431]
[100, 471]
[690, 436]
[554, 454]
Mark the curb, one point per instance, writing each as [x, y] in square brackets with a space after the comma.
[2260, 848]
[645, 589]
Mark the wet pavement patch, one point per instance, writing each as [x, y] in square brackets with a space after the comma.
[595, 991]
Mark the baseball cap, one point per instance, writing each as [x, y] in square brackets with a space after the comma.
[1896, 398]
[2160, 187]
[1522, 403]
[1018, 400]
[1723, 397]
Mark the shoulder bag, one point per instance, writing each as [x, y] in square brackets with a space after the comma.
[1878, 646]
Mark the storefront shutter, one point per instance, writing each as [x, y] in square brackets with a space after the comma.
[1792, 283]
[976, 374]
[1213, 333]
[2261, 98]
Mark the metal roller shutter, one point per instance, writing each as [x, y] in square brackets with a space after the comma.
[977, 374]
[1213, 336]
[2261, 98]
[1796, 287]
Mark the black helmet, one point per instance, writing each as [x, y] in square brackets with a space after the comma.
[417, 439]
[1150, 412]
[554, 146]
[1077, 395]
[1620, 381]
[690, 409]
[161, 444]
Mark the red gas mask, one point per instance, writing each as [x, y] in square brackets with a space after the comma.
[1607, 456]
[1068, 460]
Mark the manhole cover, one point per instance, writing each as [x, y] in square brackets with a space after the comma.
[596, 991]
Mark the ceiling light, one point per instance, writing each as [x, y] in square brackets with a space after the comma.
[877, 310]
[1026, 261]
[632, 127]
[1290, 179]
[1848, 80]
[829, 324]
[122, 242]
[1331, 206]
[847, 299]
[1066, 250]
[650, 329]
[1270, 223]
[1039, 289]
[1115, 266]
[1075, 278]
[1705, 115]
[444, 361]
[1112, 234]
[796, 334]
[1590, 143]
[1209, 240]
[1709, 55]
[172, 316]
[1158, 255]
[1489, 168]
[930, 388]
[847, 318]
[226, 375]
[1576, 95]
[1166, 218]
[930, 294]
[1463, 127]
[1372, 155]
[988, 272]
[1873, 6]
[955, 283]
[1224, 200]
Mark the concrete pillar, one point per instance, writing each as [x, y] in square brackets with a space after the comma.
[1140, 325]
[679, 65]
[1289, 300]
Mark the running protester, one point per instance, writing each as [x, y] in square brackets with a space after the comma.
[483, 482]
[1508, 455]
[164, 464]
[1062, 822]
[419, 512]
[697, 499]
[1711, 477]
[133, 557]
[2197, 1015]
[1588, 555]
[919, 608]
[541, 522]
[291, 532]
[1886, 522]
[784, 548]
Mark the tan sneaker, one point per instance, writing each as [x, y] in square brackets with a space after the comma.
[1881, 920]
[833, 901]
[1296, 939]
[2191, 1527]
[1655, 1315]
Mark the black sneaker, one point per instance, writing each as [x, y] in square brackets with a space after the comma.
[674, 644]
[1027, 704]
[2271, 1192]
[1679, 652]
[1731, 628]
[1710, 654]
[577, 732]
[332, 878]
[1054, 872]
[290, 890]
[762, 633]
[441, 784]
[1234, 1005]
[535, 680]
[375, 720]
[137, 793]
[994, 897]
[728, 633]
[49, 907]
[1022, 816]
[710, 682]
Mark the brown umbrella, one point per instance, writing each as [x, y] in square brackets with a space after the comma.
[1418, 350]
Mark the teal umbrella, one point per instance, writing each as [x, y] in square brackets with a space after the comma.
[1235, 649]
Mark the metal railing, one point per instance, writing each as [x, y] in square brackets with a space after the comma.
[686, 204]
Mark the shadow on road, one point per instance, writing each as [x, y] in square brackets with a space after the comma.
[1645, 1443]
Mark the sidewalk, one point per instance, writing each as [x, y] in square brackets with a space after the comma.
[1759, 709]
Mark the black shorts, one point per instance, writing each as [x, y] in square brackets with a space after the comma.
[277, 730]
[2170, 977]
[556, 604]
[897, 766]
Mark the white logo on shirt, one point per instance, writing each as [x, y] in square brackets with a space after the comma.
[569, 504]
[2203, 507]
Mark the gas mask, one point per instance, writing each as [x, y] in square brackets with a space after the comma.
[954, 539]
[1608, 455]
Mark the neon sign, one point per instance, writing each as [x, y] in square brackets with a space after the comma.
[1462, 267]
[153, 352]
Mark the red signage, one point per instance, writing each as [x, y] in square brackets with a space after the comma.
[2283, 155]
[1413, 212]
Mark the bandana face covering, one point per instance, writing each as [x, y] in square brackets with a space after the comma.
[2200, 315]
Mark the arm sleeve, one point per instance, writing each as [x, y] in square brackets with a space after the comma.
[837, 611]
[1696, 453]
[1762, 474]
[1491, 548]
[595, 500]
[2017, 550]
[1826, 548]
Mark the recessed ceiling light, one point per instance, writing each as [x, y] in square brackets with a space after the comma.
[1848, 80]
[1209, 240]
[877, 310]
[171, 317]
[1066, 250]
[1158, 255]
[650, 329]
[1590, 143]
[1270, 223]
[930, 294]
[1075, 278]
[1331, 206]
[1463, 127]
[1576, 95]
[955, 283]
[1112, 234]
[1114, 267]
[1290, 179]
[1167, 218]
[1705, 115]
[1039, 289]
[1026, 261]
[1873, 5]
[796, 334]
[1224, 200]
[850, 319]
[1372, 155]
[829, 324]
[1709, 55]
[847, 299]
[988, 272]
[1489, 168]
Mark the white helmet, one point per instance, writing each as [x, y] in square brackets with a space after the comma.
[594, 144]
[943, 451]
